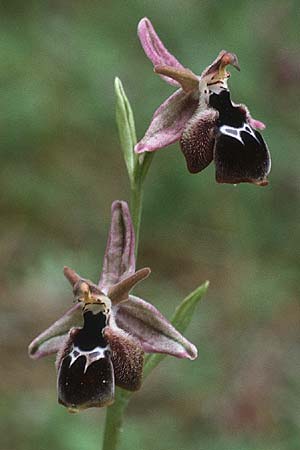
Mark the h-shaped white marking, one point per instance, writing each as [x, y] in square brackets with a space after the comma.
[236, 132]
[90, 355]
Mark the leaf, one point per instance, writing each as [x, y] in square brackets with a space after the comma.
[145, 163]
[185, 311]
[126, 128]
[180, 320]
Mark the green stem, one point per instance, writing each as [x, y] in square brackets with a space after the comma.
[114, 420]
[136, 205]
[115, 413]
[143, 164]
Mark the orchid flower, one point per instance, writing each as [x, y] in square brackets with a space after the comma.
[202, 117]
[100, 341]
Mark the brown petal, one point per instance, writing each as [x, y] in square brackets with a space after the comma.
[127, 357]
[71, 275]
[120, 291]
[82, 287]
[187, 79]
[197, 140]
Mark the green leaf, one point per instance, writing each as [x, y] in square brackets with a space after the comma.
[180, 320]
[185, 311]
[126, 128]
[145, 164]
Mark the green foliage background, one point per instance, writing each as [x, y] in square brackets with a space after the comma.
[61, 169]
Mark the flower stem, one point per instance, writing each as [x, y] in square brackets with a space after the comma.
[143, 164]
[136, 203]
[114, 420]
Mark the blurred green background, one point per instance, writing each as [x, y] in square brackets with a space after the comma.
[61, 169]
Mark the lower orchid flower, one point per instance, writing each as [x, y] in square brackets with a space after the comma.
[201, 115]
[100, 342]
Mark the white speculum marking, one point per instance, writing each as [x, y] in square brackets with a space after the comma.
[236, 132]
[90, 355]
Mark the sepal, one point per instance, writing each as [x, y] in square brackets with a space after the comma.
[155, 50]
[154, 332]
[119, 258]
[181, 319]
[168, 121]
[52, 339]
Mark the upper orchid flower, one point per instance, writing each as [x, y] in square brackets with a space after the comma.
[202, 117]
[101, 340]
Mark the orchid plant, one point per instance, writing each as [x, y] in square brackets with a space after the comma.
[110, 340]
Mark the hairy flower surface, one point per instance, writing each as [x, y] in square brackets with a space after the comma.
[201, 115]
[100, 342]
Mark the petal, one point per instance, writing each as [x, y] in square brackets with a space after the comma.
[185, 77]
[52, 339]
[120, 291]
[119, 258]
[154, 332]
[168, 121]
[242, 161]
[127, 357]
[83, 289]
[198, 138]
[155, 50]
[257, 124]
[71, 275]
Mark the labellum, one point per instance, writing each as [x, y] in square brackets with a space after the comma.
[240, 153]
[85, 374]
